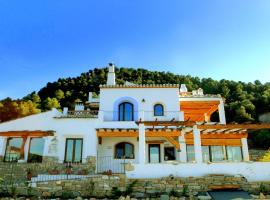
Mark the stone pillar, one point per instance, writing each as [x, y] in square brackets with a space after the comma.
[141, 143]
[221, 112]
[197, 145]
[2, 148]
[245, 149]
[183, 147]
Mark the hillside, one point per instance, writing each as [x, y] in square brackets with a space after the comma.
[244, 101]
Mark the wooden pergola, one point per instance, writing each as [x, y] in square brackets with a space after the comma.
[198, 110]
[24, 135]
[211, 133]
[167, 133]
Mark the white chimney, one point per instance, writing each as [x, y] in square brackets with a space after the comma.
[111, 75]
[194, 92]
[200, 91]
[183, 88]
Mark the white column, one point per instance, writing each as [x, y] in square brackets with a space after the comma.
[2, 146]
[197, 145]
[221, 112]
[183, 149]
[161, 153]
[26, 148]
[141, 115]
[141, 143]
[245, 149]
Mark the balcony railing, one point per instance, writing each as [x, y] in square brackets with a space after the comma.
[134, 116]
[141, 115]
[80, 114]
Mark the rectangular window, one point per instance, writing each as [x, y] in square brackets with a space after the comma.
[205, 153]
[14, 149]
[36, 150]
[217, 153]
[74, 150]
[234, 153]
[154, 153]
[190, 153]
[169, 153]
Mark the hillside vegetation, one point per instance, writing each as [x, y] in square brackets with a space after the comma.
[244, 102]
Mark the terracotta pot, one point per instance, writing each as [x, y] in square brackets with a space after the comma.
[83, 172]
[53, 171]
[68, 171]
[29, 176]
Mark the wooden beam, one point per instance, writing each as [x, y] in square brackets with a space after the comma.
[26, 133]
[148, 133]
[155, 141]
[216, 142]
[173, 142]
[212, 110]
[224, 187]
[117, 134]
[162, 133]
[219, 136]
[235, 126]
[22, 147]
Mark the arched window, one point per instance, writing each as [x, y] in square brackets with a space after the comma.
[124, 150]
[158, 110]
[126, 112]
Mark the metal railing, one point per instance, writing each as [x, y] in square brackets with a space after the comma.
[109, 165]
[81, 114]
[142, 115]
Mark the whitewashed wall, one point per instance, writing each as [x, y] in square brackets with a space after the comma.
[253, 171]
[107, 147]
[169, 97]
[63, 127]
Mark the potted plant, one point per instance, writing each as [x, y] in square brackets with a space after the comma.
[29, 174]
[53, 171]
[68, 169]
[109, 173]
[83, 172]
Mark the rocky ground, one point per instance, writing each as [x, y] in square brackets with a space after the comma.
[163, 197]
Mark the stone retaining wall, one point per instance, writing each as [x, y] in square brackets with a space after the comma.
[18, 171]
[101, 186]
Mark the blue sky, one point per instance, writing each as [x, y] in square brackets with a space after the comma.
[41, 41]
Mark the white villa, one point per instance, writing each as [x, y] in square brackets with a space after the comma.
[148, 131]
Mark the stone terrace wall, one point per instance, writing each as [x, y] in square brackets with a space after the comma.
[101, 186]
[18, 171]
